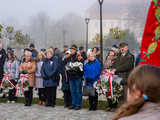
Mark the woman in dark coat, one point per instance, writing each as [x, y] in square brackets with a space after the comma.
[49, 72]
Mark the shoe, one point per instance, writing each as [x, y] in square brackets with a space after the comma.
[77, 108]
[53, 106]
[90, 109]
[8, 101]
[40, 102]
[71, 107]
[43, 103]
[65, 106]
[48, 105]
[113, 110]
[94, 109]
[108, 109]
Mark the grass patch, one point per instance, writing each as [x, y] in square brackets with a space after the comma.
[101, 104]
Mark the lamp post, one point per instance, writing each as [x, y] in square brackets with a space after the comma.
[101, 30]
[87, 22]
[64, 36]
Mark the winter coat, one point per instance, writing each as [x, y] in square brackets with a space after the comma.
[49, 72]
[65, 81]
[38, 78]
[2, 61]
[92, 71]
[30, 68]
[12, 68]
[124, 65]
[150, 111]
[74, 71]
[83, 54]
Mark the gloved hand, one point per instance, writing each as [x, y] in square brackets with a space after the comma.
[24, 72]
[46, 78]
[89, 80]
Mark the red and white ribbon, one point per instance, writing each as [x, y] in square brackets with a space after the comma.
[110, 75]
[22, 78]
[7, 77]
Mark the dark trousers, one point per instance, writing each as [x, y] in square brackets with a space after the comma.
[28, 96]
[12, 95]
[93, 101]
[111, 104]
[51, 95]
[41, 94]
[1, 74]
[67, 98]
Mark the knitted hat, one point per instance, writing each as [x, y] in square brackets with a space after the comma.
[74, 47]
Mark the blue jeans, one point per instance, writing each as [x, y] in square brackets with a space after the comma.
[76, 91]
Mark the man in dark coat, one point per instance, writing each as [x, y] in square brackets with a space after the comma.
[83, 53]
[33, 50]
[2, 60]
[65, 48]
[74, 70]
[124, 64]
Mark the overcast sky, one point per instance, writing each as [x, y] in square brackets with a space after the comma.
[21, 10]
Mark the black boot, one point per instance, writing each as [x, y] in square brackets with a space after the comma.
[30, 96]
[26, 95]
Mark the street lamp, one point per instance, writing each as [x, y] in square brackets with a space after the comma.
[87, 22]
[101, 30]
[64, 36]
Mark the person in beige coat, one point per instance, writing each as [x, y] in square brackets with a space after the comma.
[143, 97]
[28, 66]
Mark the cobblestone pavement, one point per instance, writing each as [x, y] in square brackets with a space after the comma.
[36, 112]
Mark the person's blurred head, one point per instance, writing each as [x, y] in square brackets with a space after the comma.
[65, 47]
[143, 87]
[81, 49]
[95, 50]
[79, 57]
[92, 56]
[51, 48]
[111, 53]
[49, 53]
[123, 47]
[56, 51]
[144, 80]
[89, 52]
[32, 46]
[10, 55]
[73, 49]
[28, 55]
[40, 55]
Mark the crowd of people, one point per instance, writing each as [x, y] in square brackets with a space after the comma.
[43, 70]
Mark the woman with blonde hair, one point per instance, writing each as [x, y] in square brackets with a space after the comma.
[143, 98]
[28, 67]
[39, 79]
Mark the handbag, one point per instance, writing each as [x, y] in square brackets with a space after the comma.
[89, 91]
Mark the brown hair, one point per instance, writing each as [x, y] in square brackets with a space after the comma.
[12, 57]
[146, 79]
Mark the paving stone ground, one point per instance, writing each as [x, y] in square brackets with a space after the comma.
[36, 112]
